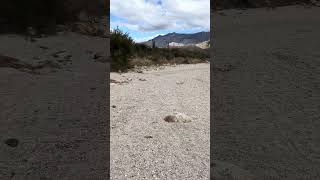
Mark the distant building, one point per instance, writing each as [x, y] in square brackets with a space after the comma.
[174, 44]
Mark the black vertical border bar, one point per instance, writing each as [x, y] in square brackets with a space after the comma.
[212, 53]
[108, 118]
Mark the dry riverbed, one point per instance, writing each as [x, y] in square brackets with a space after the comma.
[143, 144]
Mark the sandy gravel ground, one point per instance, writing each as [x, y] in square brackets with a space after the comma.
[143, 145]
[58, 115]
[266, 94]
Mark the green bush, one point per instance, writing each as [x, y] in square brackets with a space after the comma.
[122, 48]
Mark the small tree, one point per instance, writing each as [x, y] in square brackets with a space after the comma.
[122, 48]
[153, 44]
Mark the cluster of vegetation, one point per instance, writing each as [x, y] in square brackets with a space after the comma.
[126, 54]
[122, 48]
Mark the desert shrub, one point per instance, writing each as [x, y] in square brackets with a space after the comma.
[141, 50]
[122, 48]
[159, 55]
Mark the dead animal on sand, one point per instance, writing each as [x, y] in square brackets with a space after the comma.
[178, 117]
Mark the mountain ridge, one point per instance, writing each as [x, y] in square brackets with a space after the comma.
[163, 41]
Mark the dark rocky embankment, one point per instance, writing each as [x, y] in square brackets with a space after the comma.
[230, 4]
[85, 16]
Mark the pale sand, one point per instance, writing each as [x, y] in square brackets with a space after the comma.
[176, 150]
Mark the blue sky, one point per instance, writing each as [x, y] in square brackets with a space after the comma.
[146, 19]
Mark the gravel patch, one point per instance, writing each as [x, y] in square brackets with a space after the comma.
[143, 145]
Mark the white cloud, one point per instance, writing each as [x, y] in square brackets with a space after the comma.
[124, 24]
[150, 15]
[146, 38]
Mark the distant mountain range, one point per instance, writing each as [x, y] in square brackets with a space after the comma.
[179, 40]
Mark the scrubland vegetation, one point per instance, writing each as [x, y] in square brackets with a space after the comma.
[127, 54]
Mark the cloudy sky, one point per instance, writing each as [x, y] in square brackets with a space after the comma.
[145, 19]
